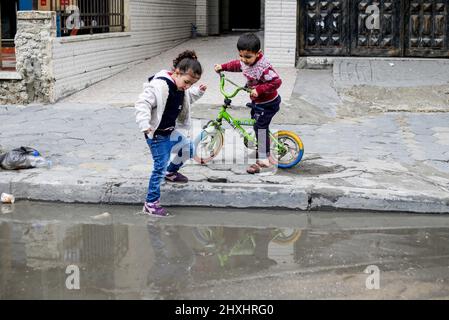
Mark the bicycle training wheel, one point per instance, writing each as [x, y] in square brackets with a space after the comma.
[208, 144]
[291, 153]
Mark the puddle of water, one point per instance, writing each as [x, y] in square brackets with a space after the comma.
[58, 251]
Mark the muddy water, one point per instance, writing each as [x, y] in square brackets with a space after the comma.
[59, 251]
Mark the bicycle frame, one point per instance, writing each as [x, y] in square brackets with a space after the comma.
[235, 123]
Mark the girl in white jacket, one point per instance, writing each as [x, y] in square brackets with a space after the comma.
[162, 110]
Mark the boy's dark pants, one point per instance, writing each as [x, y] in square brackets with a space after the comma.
[263, 113]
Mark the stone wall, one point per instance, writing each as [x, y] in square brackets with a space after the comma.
[13, 92]
[33, 81]
[35, 29]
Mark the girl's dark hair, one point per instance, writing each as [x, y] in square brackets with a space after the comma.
[187, 62]
[249, 42]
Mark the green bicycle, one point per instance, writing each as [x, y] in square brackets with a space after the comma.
[286, 147]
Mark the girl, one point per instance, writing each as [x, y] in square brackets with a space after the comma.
[161, 111]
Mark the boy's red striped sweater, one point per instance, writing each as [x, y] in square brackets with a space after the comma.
[261, 76]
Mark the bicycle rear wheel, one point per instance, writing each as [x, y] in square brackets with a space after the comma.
[208, 144]
[293, 149]
[285, 236]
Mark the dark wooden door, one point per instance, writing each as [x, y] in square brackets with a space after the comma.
[388, 28]
[376, 28]
[324, 28]
[427, 28]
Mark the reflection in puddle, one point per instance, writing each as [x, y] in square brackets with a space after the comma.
[123, 261]
[197, 254]
[171, 259]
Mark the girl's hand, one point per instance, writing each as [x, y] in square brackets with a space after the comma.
[203, 87]
[218, 68]
[254, 93]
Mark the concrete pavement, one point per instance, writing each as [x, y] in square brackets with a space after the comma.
[124, 88]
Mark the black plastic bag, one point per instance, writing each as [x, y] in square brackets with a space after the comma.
[22, 158]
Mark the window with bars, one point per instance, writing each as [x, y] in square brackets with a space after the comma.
[76, 17]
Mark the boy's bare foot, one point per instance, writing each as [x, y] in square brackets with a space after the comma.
[258, 166]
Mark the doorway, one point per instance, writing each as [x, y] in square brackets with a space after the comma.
[244, 15]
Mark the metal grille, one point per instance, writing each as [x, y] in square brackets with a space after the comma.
[76, 17]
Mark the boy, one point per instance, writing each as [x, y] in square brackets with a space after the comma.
[263, 82]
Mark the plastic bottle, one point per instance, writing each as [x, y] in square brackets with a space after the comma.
[39, 162]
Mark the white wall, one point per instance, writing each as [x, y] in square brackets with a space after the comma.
[202, 17]
[153, 26]
[262, 13]
[280, 32]
[213, 10]
[224, 15]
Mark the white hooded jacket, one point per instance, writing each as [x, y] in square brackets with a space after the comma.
[151, 103]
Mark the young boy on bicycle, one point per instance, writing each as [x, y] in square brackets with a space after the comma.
[263, 81]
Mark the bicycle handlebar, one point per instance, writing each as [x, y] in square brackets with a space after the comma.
[223, 80]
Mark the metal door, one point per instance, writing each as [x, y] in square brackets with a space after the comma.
[427, 28]
[376, 28]
[323, 27]
[389, 28]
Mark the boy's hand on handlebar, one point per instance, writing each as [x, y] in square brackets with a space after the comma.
[254, 93]
[203, 87]
[218, 68]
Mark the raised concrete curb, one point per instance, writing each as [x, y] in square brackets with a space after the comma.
[233, 195]
[377, 201]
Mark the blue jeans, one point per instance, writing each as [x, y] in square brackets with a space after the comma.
[263, 113]
[161, 147]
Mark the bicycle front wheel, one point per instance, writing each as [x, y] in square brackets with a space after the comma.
[290, 151]
[208, 144]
